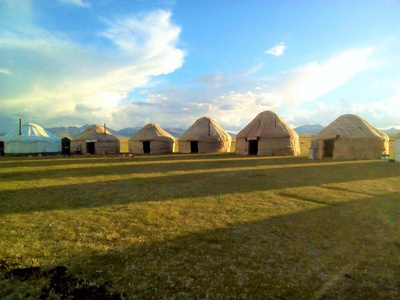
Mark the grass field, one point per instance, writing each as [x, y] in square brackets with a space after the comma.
[199, 227]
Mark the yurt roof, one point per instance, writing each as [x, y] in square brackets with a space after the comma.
[30, 132]
[350, 127]
[151, 132]
[96, 132]
[205, 129]
[267, 124]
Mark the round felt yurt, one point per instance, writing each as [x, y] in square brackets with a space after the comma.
[30, 139]
[267, 134]
[151, 139]
[350, 137]
[204, 136]
[397, 147]
[96, 139]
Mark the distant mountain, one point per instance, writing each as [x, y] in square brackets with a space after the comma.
[175, 132]
[232, 134]
[391, 130]
[309, 129]
[128, 132]
[73, 131]
[70, 132]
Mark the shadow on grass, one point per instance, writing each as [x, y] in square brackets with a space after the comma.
[187, 185]
[345, 251]
[95, 167]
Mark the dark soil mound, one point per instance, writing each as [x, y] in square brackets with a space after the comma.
[61, 284]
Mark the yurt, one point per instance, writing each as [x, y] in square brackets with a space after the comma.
[151, 139]
[349, 137]
[397, 147]
[204, 136]
[267, 134]
[96, 139]
[30, 139]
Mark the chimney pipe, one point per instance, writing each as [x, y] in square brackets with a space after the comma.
[20, 129]
[105, 130]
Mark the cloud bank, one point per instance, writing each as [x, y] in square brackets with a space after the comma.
[52, 78]
[234, 99]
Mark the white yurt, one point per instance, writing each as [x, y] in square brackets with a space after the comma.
[397, 147]
[204, 136]
[267, 134]
[31, 139]
[350, 137]
[151, 139]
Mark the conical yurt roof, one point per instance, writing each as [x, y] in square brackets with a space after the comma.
[205, 129]
[96, 132]
[31, 132]
[267, 124]
[151, 132]
[350, 127]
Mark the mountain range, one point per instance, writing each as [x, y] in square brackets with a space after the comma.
[73, 131]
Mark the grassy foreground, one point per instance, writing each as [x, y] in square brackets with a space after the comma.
[200, 226]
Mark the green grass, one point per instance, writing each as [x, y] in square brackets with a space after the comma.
[204, 226]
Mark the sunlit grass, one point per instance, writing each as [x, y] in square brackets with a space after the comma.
[204, 226]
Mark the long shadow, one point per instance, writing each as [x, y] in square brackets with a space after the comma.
[186, 185]
[345, 251]
[50, 161]
[109, 168]
[112, 167]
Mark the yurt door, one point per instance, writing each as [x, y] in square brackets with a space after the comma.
[328, 147]
[65, 146]
[90, 148]
[1, 148]
[253, 147]
[194, 147]
[146, 147]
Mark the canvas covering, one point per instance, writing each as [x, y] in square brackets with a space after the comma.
[210, 136]
[275, 137]
[397, 147]
[105, 142]
[352, 138]
[33, 139]
[160, 140]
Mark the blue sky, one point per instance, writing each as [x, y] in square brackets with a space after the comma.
[128, 63]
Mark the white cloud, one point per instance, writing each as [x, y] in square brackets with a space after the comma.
[5, 71]
[79, 3]
[56, 74]
[277, 50]
[234, 99]
[382, 113]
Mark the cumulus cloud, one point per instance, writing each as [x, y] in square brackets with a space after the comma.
[67, 79]
[277, 50]
[234, 99]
